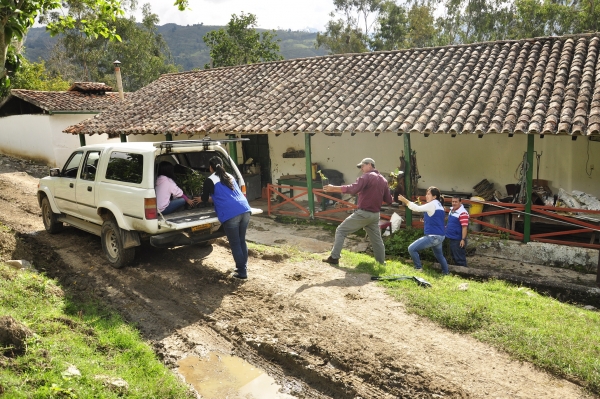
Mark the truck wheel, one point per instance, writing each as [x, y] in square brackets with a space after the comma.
[112, 245]
[50, 218]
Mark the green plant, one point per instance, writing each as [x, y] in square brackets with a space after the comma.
[190, 182]
[397, 244]
[394, 176]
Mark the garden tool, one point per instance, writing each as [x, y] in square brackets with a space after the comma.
[397, 277]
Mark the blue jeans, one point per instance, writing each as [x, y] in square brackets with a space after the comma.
[175, 205]
[235, 230]
[433, 242]
[458, 254]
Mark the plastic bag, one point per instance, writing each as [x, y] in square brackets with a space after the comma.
[396, 221]
[568, 199]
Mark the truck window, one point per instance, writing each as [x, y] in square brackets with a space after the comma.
[125, 167]
[199, 160]
[88, 172]
[70, 168]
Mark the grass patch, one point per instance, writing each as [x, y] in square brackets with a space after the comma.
[561, 338]
[69, 333]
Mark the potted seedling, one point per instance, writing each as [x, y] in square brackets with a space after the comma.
[324, 179]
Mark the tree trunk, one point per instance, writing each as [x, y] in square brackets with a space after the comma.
[4, 41]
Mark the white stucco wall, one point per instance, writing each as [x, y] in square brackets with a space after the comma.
[450, 163]
[40, 137]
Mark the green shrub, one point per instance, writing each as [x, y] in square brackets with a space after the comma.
[397, 244]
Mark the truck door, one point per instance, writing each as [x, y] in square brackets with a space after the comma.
[86, 187]
[64, 193]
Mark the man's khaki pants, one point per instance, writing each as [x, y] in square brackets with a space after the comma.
[358, 220]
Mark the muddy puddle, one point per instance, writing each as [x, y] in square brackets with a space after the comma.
[218, 376]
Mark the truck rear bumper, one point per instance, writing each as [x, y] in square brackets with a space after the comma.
[177, 238]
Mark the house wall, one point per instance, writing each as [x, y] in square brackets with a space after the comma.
[40, 137]
[450, 163]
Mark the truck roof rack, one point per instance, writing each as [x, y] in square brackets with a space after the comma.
[193, 143]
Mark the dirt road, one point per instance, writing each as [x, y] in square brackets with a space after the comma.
[318, 330]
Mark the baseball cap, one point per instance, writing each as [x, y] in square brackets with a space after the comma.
[364, 161]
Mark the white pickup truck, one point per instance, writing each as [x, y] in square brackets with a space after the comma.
[108, 190]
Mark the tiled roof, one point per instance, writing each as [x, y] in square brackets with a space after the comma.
[90, 86]
[542, 86]
[64, 101]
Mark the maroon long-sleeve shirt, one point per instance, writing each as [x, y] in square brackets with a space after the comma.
[372, 189]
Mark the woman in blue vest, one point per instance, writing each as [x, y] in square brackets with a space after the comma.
[434, 216]
[232, 210]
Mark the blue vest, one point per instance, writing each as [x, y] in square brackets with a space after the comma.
[453, 228]
[228, 203]
[434, 225]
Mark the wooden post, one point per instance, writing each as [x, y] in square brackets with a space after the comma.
[311, 199]
[82, 140]
[407, 180]
[528, 199]
[233, 149]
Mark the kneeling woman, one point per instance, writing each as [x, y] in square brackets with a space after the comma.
[434, 228]
[232, 210]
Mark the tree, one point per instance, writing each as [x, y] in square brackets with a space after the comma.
[393, 28]
[350, 27]
[340, 38]
[143, 52]
[34, 76]
[469, 21]
[17, 16]
[239, 43]
[421, 29]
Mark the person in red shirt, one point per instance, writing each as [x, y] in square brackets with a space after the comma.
[456, 231]
[372, 189]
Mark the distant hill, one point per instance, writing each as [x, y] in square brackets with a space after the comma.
[186, 44]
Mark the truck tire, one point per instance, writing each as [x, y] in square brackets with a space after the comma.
[112, 245]
[50, 218]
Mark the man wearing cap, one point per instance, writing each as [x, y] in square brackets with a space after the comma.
[372, 189]
[456, 231]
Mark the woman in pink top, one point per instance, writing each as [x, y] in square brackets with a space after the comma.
[166, 188]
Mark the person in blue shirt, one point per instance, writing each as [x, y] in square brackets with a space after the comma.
[233, 211]
[435, 230]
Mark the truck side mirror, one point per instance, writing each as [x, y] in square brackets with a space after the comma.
[54, 172]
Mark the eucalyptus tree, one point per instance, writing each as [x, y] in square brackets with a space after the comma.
[351, 26]
[392, 30]
[240, 43]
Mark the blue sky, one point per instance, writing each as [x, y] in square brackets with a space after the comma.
[271, 14]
